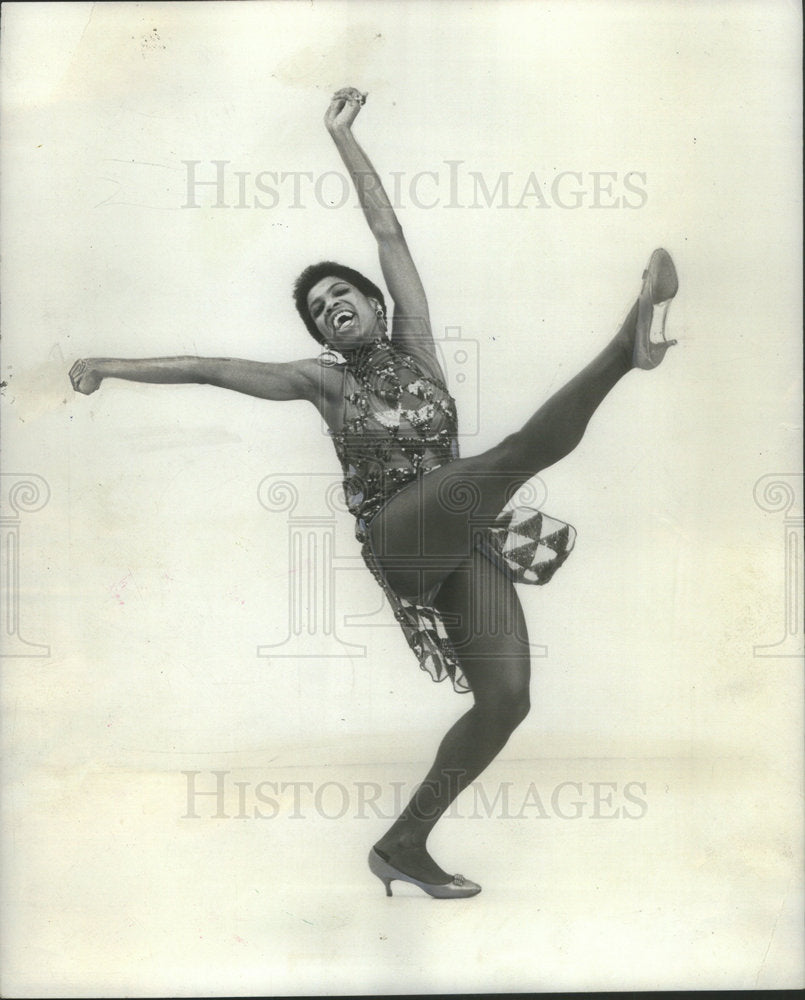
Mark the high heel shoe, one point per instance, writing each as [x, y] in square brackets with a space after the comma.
[459, 888]
[660, 285]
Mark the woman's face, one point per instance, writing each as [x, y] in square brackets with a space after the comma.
[344, 316]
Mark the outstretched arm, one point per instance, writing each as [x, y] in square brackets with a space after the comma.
[292, 380]
[411, 329]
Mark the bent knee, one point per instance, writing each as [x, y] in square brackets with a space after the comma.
[506, 711]
[519, 709]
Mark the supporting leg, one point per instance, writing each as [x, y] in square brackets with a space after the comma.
[489, 631]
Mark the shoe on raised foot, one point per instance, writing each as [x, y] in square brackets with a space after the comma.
[459, 888]
[660, 285]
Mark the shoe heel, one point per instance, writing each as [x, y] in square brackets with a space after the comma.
[386, 882]
[658, 321]
[382, 869]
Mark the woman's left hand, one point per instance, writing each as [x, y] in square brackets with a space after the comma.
[85, 377]
[344, 107]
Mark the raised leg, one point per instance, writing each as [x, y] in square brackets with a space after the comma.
[486, 625]
[422, 533]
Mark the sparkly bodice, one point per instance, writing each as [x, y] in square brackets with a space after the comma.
[399, 423]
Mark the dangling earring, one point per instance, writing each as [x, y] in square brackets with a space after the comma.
[328, 358]
[383, 324]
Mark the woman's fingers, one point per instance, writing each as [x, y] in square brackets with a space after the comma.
[345, 104]
[82, 378]
[350, 94]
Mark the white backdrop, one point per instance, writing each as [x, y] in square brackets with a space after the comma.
[153, 573]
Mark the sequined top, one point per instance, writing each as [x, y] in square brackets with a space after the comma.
[399, 423]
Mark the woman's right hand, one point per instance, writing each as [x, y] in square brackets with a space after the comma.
[344, 107]
[85, 377]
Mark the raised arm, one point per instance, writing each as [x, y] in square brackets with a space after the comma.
[411, 329]
[291, 380]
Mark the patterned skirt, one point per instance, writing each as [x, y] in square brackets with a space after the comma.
[527, 545]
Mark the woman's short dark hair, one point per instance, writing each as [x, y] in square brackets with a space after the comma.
[327, 268]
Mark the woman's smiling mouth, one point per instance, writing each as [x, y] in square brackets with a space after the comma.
[341, 319]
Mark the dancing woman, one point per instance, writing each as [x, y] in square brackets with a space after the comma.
[447, 565]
